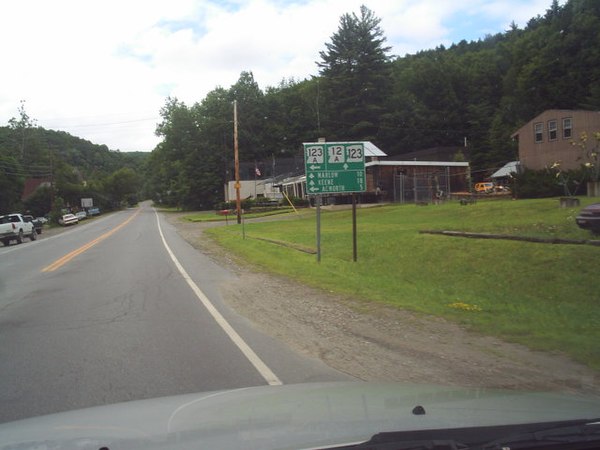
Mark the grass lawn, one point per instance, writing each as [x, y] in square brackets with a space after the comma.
[211, 216]
[541, 295]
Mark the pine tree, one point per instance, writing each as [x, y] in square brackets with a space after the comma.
[355, 71]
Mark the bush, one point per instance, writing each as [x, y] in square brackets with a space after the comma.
[545, 183]
[297, 201]
[39, 203]
[57, 210]
[247, 204]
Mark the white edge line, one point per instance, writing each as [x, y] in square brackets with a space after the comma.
[254, 359]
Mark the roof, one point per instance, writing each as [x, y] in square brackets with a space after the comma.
[418, 163]
[433, 154]
[371, 149]
[507, 169]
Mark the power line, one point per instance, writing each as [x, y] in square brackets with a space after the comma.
[106, 124]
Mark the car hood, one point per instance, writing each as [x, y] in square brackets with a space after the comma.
[594, 208]
[290, 416]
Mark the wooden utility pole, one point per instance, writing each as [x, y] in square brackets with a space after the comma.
[238, 201]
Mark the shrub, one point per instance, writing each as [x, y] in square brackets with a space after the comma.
[541, 183]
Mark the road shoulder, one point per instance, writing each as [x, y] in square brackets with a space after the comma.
[375, 342]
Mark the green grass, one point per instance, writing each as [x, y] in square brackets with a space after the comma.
[211, 216]
[541, 295]
[168, 209]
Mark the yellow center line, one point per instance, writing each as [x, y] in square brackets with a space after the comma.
[69, 256]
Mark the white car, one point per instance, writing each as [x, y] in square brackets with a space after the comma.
[68, 219]
[81, 215]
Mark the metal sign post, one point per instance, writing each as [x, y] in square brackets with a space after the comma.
[354, 250]
[332, 168]
[318, 202]
[238, 201]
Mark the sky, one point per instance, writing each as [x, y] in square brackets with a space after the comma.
[103, 69]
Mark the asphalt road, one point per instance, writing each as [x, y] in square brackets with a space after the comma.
[110, 311]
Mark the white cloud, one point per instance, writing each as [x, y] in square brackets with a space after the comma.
[102, 69]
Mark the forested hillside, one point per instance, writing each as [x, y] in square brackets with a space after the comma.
[75, 167]
[479, 91]
[476, 92]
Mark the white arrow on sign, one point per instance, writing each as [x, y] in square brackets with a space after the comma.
[345, 166]
[313, 167]
[312, 183]
[313, 189]
[311, 176]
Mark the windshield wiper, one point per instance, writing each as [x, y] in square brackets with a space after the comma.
[576, 434]
[582, 436]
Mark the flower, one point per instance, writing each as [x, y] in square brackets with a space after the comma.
[465, 306]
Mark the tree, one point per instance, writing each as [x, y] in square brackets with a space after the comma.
[252, 118]
[356, 82]
[185, 170]
[11, 184]
[122, 184]
[68, 183]
[40, 202]
[26, 136]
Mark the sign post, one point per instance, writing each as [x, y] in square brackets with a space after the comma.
[335, 168]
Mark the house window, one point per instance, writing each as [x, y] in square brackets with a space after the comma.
[567, 128]
[538, 132]
[552, 130]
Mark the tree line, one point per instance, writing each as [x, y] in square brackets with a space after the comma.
[479, 92]
[72, 168]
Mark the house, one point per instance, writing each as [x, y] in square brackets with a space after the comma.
[416, 181]
[549, 137]
[398, 180]
[32, 185]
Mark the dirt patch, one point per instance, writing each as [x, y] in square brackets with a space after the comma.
[378, 343]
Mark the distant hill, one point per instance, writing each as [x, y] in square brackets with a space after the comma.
[73, 163]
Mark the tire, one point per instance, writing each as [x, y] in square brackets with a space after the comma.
[33, 235]
[6, 242]
[20, 237]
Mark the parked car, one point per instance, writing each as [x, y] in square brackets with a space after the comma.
[13, 227]
[485, 188]
[68, 219]
[37, 224]
[81, 215]
[589, 218]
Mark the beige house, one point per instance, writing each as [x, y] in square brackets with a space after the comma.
[549, 137]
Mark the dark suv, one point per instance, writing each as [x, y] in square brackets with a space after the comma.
[38, 225]
[589, 218]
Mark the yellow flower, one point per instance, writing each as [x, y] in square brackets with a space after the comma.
[465, 306]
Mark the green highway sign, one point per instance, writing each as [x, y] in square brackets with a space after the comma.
[334, 167]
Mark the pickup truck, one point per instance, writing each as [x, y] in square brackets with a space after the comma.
[13, 227]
